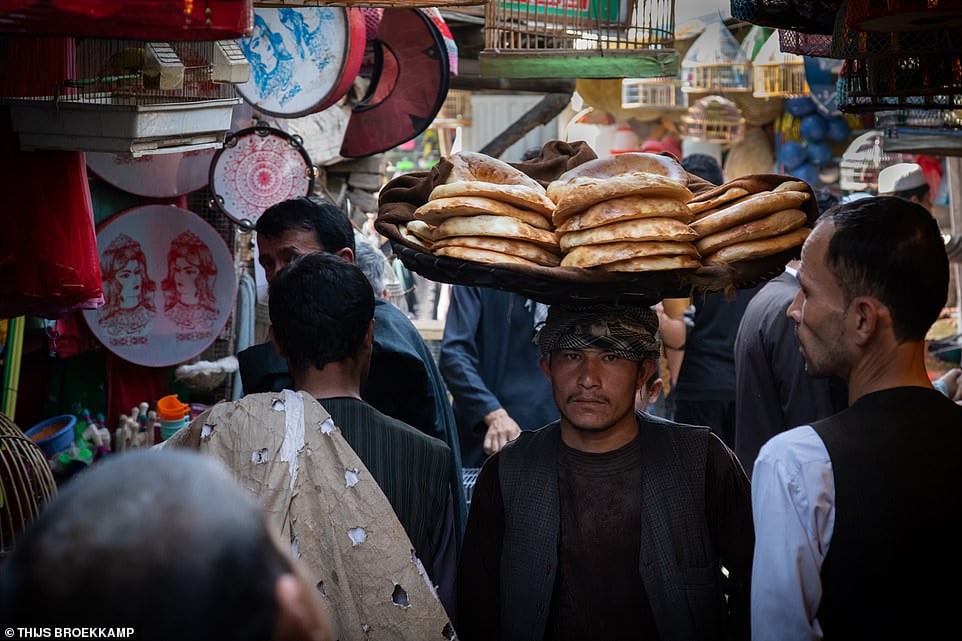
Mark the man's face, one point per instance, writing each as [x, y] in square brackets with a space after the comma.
[594, 389]
[274, 254]
[819, 310]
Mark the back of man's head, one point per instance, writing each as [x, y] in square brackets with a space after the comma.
[321, 307]
[371, 262]
[162, 542]
[330, 224]
[891, 249]
[703, 166]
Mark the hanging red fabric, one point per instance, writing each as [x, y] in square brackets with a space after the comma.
[130, 19]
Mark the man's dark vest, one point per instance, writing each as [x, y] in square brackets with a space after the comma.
[893, 561]
[678, 564]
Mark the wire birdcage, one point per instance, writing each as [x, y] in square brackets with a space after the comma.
[660, 93]
[805, 44]
[26, 483]
[806, 16]
[97, 94]
[911, 82]
[714, 119]
[579, 39]
[455, 111]
[903, 15]
[715, 63]
[778, 74]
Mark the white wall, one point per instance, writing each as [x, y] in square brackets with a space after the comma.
[493, 113]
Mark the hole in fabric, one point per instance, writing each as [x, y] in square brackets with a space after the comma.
[357, 535]
[400, 597]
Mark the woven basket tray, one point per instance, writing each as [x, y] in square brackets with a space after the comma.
[552, 285]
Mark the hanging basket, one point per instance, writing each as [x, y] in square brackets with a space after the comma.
[903, 15]
[807, 16]
[911, 82]
[586, 39]
[805, 44]
[714, 119]
[851, 42]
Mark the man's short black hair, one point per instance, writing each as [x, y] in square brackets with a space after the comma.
[162, 541]
[891, 249]
[330, 224]
[321, 307]
[703, 166]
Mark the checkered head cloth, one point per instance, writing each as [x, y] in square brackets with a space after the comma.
[627, 331]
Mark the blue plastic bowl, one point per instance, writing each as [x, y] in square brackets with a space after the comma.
[57, 441]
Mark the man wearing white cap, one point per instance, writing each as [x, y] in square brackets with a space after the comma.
[905, 180]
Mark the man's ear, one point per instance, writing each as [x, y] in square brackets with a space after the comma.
[545, 363]
[869, 315]
[300, 615]
[369, 336]
[346, 253]
[277, 346]
[645, 370]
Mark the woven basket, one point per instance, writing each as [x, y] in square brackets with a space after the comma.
[26, 483]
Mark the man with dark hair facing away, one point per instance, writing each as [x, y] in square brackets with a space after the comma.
[608, 523]
[164, 543]
[404, 381]
[322, 322]
[855, 513]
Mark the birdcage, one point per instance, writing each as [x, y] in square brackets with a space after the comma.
[715, 63]
[806, 16]
[455, 111]
[134, 96]
[805, 44]
[910, 82]
[26, 483]
[778, 74]
[864, 158]
[579, 39]
[714, 119]
[653, 93]
[903, 15]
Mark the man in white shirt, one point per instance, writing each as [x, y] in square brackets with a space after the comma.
[854, 514]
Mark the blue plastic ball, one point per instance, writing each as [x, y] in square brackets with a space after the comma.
[807, 172]
[838, 129]
[799, 107]
[792, 154]
[813, 128]
[819, 153]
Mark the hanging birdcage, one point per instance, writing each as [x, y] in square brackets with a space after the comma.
[778, 74]
[715, 63]
[579, 39]
[97, 94]
[911, 82]
[805, 44]
[806, 16]
[903, 15]
[714, 119]
[653, 93]
[455, 111]
[26, 483]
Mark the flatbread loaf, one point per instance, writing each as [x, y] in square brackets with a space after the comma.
[653, 264]
[519, 248]
[580, 193]
[792, 185]
[472, 166]
[412, 238]
[498, 226]
[629, 163]
[775, 224]
[731, 203]
[642, 229]
[758, 248]
[751, 208]
[524, 196]
[730, 194]
[422, 230]
[627, 208]
[437, 211]
[482, 256]
[594, 255]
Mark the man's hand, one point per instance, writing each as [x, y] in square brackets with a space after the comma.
[501, 429]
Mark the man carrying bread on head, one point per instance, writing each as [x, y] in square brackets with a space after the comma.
[610, 522]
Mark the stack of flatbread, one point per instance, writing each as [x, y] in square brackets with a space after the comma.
[626, 214]
[487, 211]
[737, 225]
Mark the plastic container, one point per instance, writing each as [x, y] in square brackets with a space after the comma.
[169, 408]
[54, 434]
[169, 428]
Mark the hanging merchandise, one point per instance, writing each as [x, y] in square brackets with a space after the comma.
[259, 167]
[155, 175]
[864, 158]
[131, 19]
[169, 285]
[903, 15]
[303, 60]
[821, 74]
[409, 83]
[753, 155]
[807, 16]
[778, 74]
[715, 63]
[714, 119]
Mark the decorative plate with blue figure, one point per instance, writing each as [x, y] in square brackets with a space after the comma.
[302, 60]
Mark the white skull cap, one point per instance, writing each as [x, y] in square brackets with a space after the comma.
[900, 177]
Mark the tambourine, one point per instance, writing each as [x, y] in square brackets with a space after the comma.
[169, 285]
[256, 168]
[153, 175]
[302, 59]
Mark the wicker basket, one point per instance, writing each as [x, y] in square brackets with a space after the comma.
[805, 44]
[807, 16]
[26, 483]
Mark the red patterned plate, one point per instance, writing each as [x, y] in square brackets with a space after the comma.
[259, 167]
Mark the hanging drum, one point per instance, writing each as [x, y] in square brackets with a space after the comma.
[154, 175]
[302, 60]
[257, 168]
[169, 285]
[407, 90]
